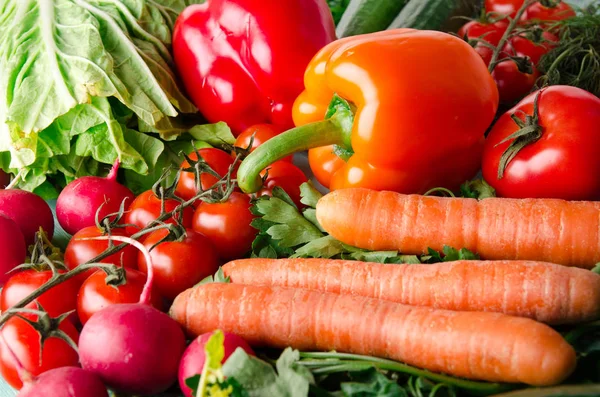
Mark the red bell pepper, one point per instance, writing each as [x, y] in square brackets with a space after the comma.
[243, 61]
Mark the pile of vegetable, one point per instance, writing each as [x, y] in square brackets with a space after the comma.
[448, 243]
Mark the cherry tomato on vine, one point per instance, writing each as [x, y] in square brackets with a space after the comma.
[563, 161]
[25, 342]
[503, 7]
[522, 46]
[79, 251]
[261, 133]
[227, 225]
[95, 294]
[512, 83]
[490, 32]
[217, 159]
[539, 13]
[179, 265]
[57, 300]
[324, 163]
[146, 208]
[285, 175]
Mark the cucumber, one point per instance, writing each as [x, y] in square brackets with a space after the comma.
[368, 16]
[424, 14]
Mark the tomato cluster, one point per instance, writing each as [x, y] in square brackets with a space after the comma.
[516, 70]
[210, 232]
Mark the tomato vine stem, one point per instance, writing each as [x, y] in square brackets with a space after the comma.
[507, 33]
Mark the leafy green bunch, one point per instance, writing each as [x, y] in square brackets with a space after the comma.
[84, 82]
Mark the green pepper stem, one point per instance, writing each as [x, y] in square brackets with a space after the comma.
[332, 131]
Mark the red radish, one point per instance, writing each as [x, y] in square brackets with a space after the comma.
[78, 203]
[192, 361]
[134, 348]
[65, 382]
[12, 246]
[29, 211]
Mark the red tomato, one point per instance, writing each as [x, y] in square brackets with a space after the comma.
[179, 265]
[538, 12]
[324, 163]
[56, 301]
[490, 32]
[503, 7]
[285, 175]
[227, 225]
[217, 159]
[261, 133]
[521, 46]
[565, 162]
[80, 251]
[513, 84]
[24, 341]
[94, 294]
[146, 208]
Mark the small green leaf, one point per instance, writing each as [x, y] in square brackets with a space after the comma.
[311, 215]
[281, 194]
[216, 134]
[596, 268]
[373, 256]
[218, 277]
[371, 383]
[309, 195]
[324, 247]
[259, 378]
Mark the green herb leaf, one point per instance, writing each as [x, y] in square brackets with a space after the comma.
[290, 227]
[309, 194]
[218, 277]
[448, 254]
[373, 383]
[323, 247]
[259, 378]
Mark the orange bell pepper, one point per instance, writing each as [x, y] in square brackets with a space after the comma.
[410, 113]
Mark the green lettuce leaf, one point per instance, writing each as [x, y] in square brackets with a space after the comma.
[86, 82]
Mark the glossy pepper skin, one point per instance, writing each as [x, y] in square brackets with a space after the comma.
[423, 102]
[242, 61]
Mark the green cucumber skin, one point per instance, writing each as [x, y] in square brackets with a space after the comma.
[368, 16]
[424, 14]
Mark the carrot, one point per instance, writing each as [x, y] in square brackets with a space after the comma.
[476, 345]
[542, 291]
[557, 231]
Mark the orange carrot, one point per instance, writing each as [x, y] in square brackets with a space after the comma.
[542, 291]
[476, 345]
[557, 231]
